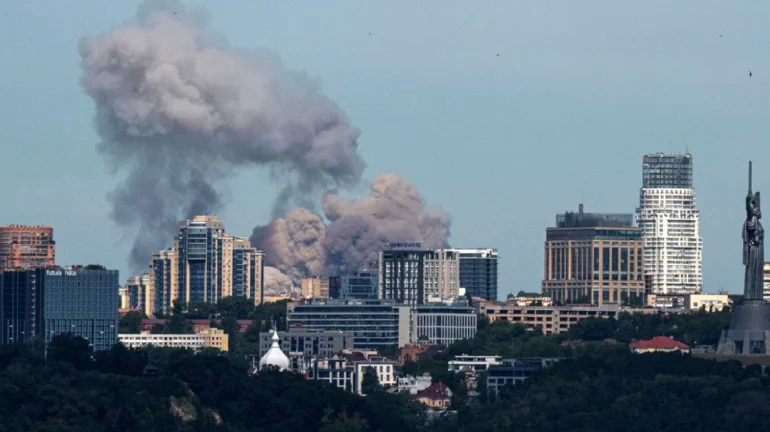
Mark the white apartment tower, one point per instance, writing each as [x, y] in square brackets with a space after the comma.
[670, 225]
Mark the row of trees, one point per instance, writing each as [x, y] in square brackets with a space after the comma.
[598, 387]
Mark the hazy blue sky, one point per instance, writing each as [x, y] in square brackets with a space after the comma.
[579, 92]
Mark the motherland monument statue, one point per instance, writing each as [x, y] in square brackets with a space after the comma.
[750, 328]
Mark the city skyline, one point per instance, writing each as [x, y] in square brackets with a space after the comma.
[675, 98]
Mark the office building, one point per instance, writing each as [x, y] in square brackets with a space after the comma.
[478, 272]
[163, 288]
[373, 323]
[26, 247]
[362, 285]
[443, 324]
[416, 276]
[81, 301]
[21, 301]
[671, 225]
[594, 257]
[347, 370]
[548, 319]
[303, 343]
[315, 288]
[210, 338]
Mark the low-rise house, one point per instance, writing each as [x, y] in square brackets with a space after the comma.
[659, 344]
[437, 397]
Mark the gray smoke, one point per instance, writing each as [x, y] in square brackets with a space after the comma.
[177, 110]
[277, 283]
[394, 211]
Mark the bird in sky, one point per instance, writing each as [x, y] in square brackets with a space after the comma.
[750, 74]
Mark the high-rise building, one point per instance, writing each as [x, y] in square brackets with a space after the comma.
[199, 259]
[441, 276]
[401, 276]
[21, 314]
[315, 287]
[140, 293]
[81, 301]
[593, 257]
[478, 272]
[418, 276]
[206, 264]
[23, 247]
[247, 271]
[671, 225]
[163, 287]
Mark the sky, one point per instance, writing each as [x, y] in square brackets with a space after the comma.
[502, 113]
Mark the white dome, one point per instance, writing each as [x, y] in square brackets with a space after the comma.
[274, 356]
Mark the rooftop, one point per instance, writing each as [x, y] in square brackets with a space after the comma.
[659, 342]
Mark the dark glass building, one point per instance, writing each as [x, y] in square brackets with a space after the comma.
[478, 272]
[21, 314]
[663, 171]
[81, 301]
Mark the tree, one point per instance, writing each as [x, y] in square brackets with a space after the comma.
[130, 322]
[237, 307]
[371, 382]
[69, 348]
[342, 423]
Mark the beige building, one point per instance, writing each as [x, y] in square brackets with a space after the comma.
[315, 288]
[708, 302]
[124, 299]
[550, 319]
[594, 258]
[210, 338]
[441, 275]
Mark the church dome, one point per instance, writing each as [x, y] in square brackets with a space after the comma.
[274, 356]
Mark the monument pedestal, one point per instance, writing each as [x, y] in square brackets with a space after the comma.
[749, 331]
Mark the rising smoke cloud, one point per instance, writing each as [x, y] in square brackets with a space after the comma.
[300, 245]
[177, 110]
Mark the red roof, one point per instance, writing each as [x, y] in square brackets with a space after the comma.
[659, 342]
[436, 391]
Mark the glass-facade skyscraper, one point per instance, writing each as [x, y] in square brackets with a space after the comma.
[21, 315]
[198, 256]
[81, 301]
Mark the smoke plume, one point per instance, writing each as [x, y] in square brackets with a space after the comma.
[300, 245]
[277, 283]
[177, 110]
